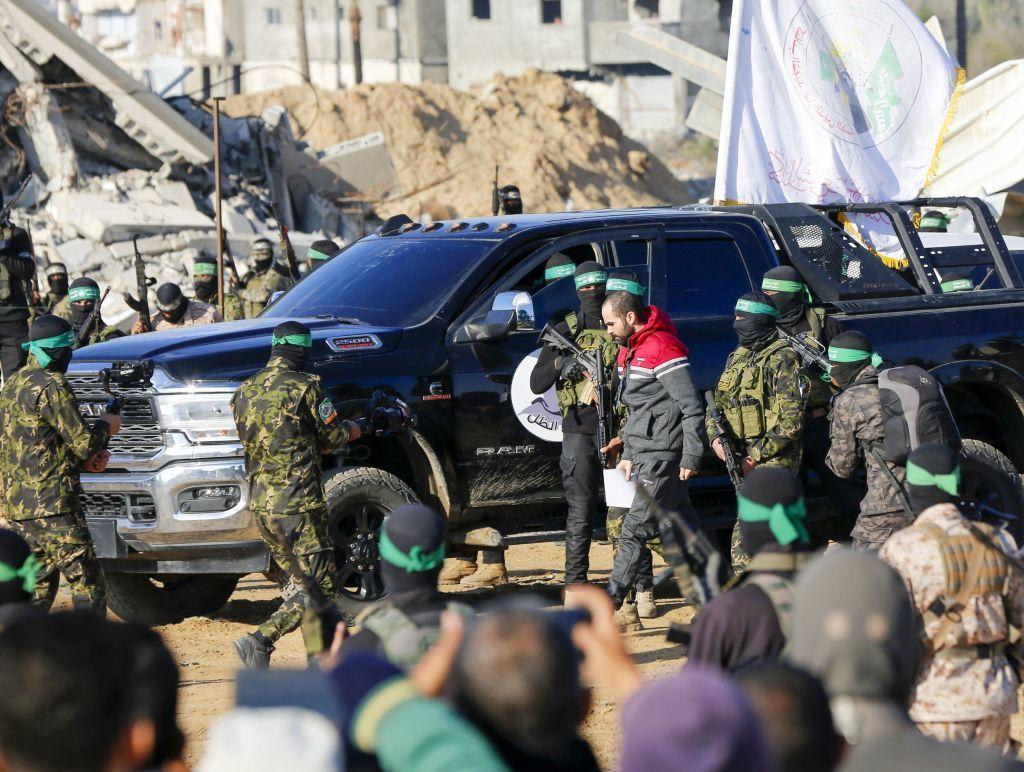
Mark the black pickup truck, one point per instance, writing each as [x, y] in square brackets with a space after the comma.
[447, 316]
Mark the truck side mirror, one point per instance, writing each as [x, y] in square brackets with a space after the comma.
[510, 311]
[522, 304]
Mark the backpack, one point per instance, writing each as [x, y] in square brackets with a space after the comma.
[914, 413]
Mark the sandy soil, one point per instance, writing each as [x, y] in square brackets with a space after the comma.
[202, 646]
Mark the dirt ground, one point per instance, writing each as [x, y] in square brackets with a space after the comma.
[202, 646]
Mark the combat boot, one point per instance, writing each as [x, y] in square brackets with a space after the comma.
[627, 618]
[254, 653]
[492, 572]
[456, 569]
[645, 604]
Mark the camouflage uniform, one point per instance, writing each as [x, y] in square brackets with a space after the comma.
[284, 420]
[107, 332]
[762, 394]
[47, 305]
[257, 288]
[232, 307]
[857, 422]
[43, 443]
[197, 314]
[62, 309]
[967, 688]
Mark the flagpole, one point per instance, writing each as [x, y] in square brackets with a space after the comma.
[725, 133]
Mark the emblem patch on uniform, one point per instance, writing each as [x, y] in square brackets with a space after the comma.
[327, 411]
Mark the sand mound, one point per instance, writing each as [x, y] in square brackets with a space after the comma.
[547, 137]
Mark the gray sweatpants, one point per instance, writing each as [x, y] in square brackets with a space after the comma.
[639, 525]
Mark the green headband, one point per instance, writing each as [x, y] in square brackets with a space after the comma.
[416, 561]
[559, 271]
[35, 347]
[298, 339]
[786, 522]
[83, 293]
[315, 255]
[625, 285]
[27, 573]
[957, 285]
[935, 222]
[846, 355]
[593, 277]
[782, 285]
[753, 307]
[950, 483]
[204, 269]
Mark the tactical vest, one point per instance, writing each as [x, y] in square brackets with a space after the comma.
[972, 570]
[403, 640]
[581, 391]
[779, 589]
[743, 387]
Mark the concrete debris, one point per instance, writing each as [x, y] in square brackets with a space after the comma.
[364, 166]
[99, 218]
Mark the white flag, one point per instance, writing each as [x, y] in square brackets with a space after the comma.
[831, 101]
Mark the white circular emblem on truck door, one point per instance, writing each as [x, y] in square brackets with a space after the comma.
[539, 413]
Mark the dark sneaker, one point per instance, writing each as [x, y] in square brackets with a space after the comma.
[255, 654]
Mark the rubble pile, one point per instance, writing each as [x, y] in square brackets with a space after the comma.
[543, 134]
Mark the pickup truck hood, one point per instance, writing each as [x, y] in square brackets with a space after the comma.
[232, 351]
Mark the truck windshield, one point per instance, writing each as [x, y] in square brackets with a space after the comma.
[394, 282]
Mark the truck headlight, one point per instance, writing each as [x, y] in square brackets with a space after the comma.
[203, 418]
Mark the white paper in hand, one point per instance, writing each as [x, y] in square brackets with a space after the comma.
[618, 491]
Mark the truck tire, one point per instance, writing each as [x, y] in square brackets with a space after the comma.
[358, 500]
[991, 479]
[155, 600]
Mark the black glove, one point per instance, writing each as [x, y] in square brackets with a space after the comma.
[568, 368]
[113, 406]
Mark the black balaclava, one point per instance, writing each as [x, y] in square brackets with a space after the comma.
[558, 266]
[591, 274]
[83, 295]
[849, 353]
[292, 342]
[511, 200]
[755, 322]
[51, 340]
[204, 278]
[171, 302]
[412, 547]
[790, 293]
[320, 252]
[933, 477]
[771, 510]
[18, 569]
[57, 278]
[624, 280]
[262, 254]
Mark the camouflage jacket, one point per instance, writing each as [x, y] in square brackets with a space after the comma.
[959, 688]
[47, 304]
[232, 307]
[62, 309]
[43, 442]
[763, 393]
[197, 314]
[856, 421]
[285, 421]
[257, 288]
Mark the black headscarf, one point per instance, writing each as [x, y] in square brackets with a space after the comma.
[285, 343]
[171, 302]
[320, 252]
[18, 569]
[956, 281]
[840, 347]
[933, 477]
[790, 294]
[81, 308]
[412, 549]
[204, 278]
[558, 266]
[262, 254]
[57, 277]
[592, 275]
[755, 322]
[625, 280]
[59, 337]
[771, 510]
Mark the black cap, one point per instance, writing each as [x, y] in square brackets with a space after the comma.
[851, 339]
[47, 326]
[284, 329]
[169, 297]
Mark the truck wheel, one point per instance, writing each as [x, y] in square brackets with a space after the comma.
[154, 600]
[991, 479]
[358, 500]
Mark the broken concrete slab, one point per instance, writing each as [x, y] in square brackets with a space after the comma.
[139, 112]
[97, 217]
[364, 166]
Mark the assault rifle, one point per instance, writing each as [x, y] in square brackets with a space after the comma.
[286, 242]
[125, 374]
[810, 350]
[593, 369]
[5, 213]
[720, 432]
[82, 338]
[495, 194]
[694, 562]
[142, 284]
[385, 416]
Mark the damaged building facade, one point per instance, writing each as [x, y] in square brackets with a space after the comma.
[110, 160]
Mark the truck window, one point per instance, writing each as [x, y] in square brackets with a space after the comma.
[705, 276]
[629, 254]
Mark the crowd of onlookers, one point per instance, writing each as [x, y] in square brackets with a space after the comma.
[507, 687]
